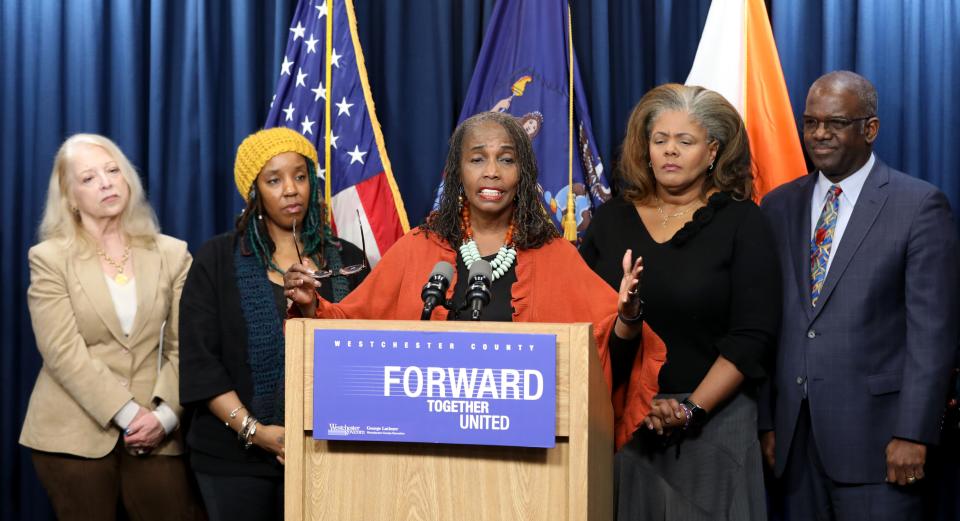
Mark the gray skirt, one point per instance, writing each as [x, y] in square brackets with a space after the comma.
[716, 474]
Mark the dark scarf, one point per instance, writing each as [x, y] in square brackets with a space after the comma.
[265, 343]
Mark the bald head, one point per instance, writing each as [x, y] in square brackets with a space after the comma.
[848, 82]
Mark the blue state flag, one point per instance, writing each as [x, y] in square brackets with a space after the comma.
[524, 70]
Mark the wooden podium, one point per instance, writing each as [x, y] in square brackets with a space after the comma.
[346, 480]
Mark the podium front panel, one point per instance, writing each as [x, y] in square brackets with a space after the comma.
[341, 480]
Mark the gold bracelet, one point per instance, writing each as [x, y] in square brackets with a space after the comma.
[233, 414]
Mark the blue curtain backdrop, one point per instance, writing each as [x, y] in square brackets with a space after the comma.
[179, 84]
[175, 84]
[909, 49]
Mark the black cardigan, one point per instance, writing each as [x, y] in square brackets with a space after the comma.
[213, 358]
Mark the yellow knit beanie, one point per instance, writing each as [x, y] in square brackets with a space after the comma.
[260, 147]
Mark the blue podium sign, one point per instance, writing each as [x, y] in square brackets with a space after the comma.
[435, 387]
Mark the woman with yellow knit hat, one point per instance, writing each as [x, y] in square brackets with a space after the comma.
[231, 329]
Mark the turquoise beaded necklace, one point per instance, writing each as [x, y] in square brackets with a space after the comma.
[506, 255]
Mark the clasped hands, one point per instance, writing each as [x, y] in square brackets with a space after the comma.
[144, 433]
[665, 416]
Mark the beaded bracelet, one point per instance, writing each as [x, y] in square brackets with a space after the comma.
[689, 415]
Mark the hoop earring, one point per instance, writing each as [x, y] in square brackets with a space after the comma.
[710, 168]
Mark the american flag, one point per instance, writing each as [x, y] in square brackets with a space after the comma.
[360, 174]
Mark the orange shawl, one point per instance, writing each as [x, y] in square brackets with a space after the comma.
[553, 285]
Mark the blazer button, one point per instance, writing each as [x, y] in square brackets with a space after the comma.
[799, 380]
[811, 334]
[123, 383]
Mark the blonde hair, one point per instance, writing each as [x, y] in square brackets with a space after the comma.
[732, 170]
[137, 222]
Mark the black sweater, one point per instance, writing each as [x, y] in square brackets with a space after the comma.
[213, 357]
[713, 289]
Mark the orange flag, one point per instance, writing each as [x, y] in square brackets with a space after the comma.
[737, 57]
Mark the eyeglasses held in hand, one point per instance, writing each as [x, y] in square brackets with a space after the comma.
[346, 271]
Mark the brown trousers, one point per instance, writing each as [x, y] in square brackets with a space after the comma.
[149, 487]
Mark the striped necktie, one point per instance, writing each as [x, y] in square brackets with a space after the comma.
[821, 242]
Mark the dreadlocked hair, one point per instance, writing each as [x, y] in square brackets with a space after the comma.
[532, 226]
[255, 239]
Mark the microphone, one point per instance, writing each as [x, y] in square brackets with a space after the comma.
[478, 289]
[435, 290]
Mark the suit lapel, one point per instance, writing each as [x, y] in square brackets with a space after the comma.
[91, 278]
[147, 268]
[869, 203]
[800, 240]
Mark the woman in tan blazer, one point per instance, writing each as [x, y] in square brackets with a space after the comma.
[104, 299]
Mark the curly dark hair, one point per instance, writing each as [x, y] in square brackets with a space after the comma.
[733, 171]
[315, 230]
[532, 226]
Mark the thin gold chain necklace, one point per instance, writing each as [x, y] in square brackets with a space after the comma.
[119, 278]
[664, 217]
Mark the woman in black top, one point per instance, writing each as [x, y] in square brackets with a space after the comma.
[710, 290]
[231, 328]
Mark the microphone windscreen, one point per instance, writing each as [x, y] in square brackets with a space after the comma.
[444, 269]
[481, 267]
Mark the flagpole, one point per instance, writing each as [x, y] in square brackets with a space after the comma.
[327, 156]
[569, 217]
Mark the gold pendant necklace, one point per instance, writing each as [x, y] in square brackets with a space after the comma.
[119, 278]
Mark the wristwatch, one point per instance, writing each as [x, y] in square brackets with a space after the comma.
[698, 415]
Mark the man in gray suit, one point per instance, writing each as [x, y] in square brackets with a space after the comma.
[869, 258]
